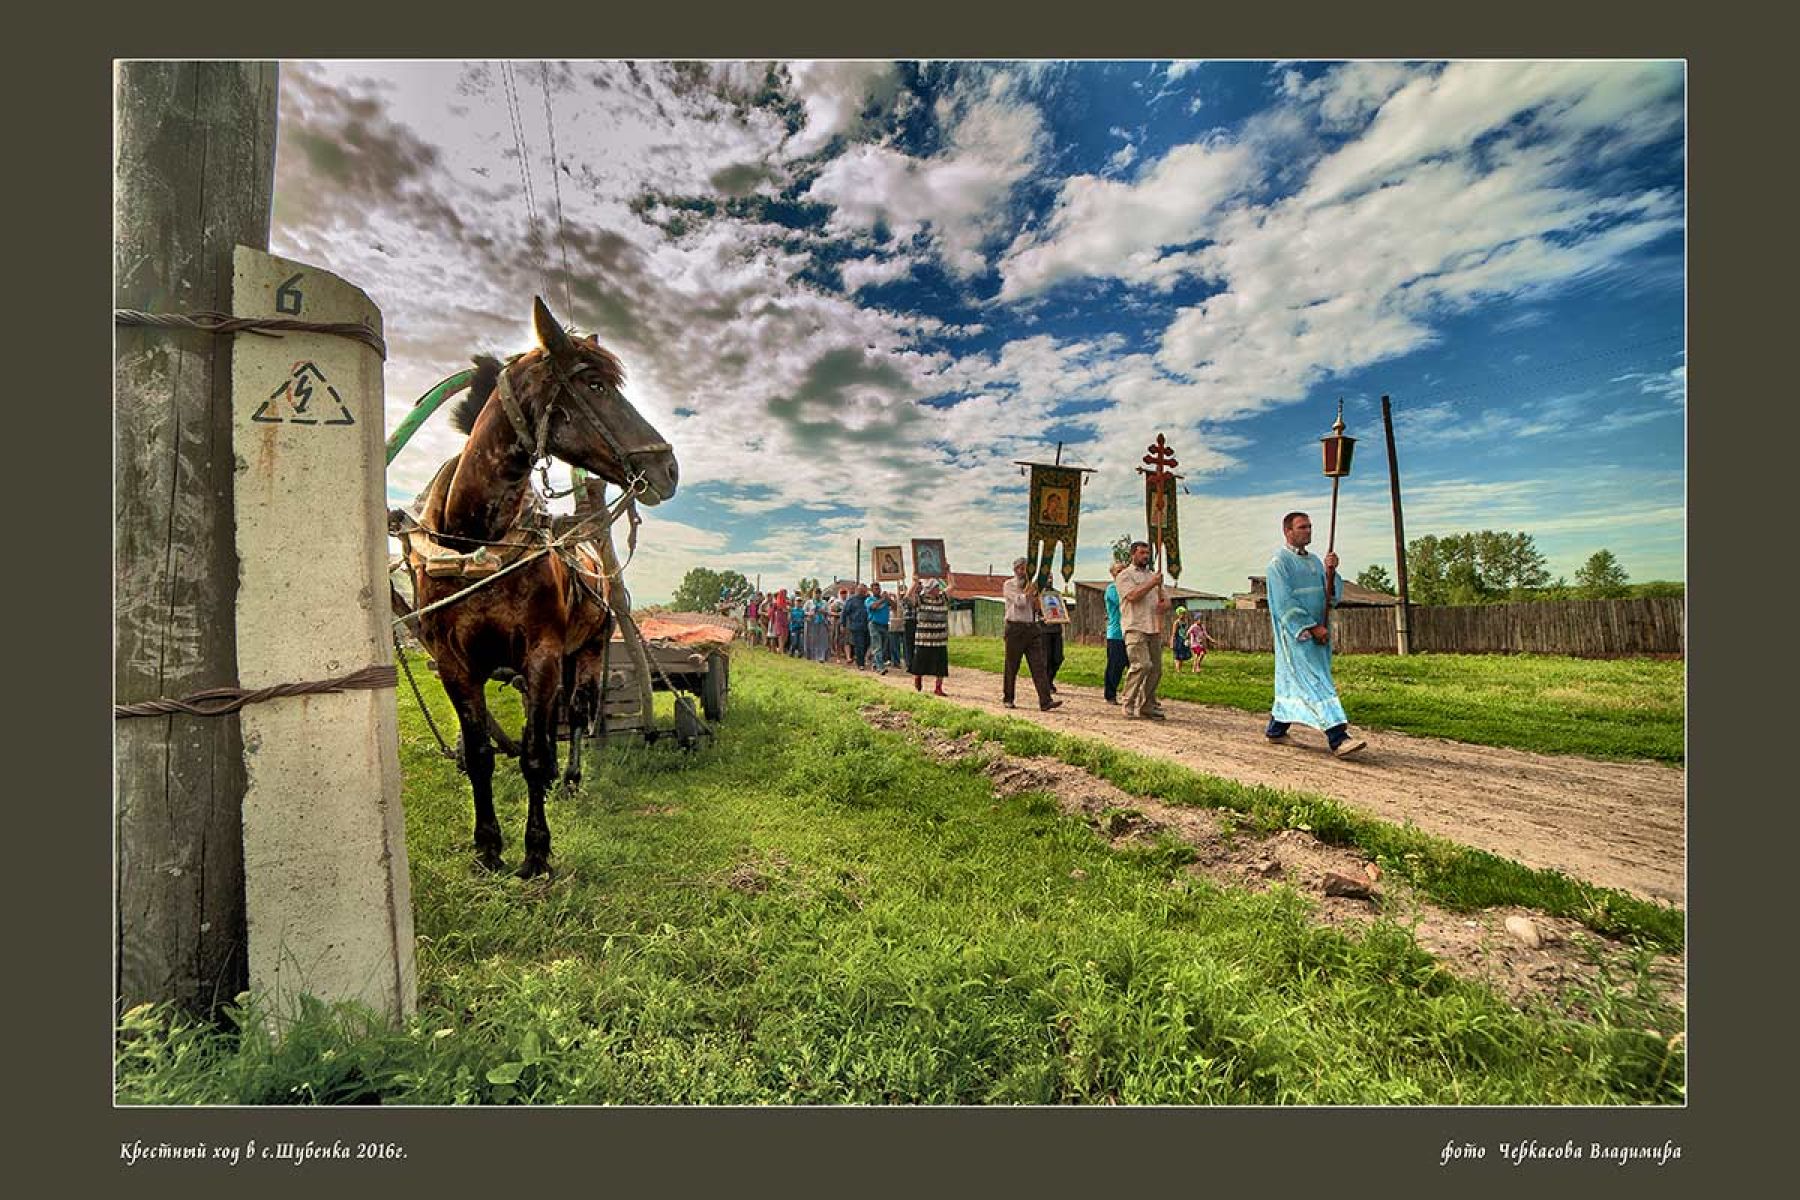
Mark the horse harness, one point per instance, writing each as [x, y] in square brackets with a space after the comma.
[534, 533]
[578, 397]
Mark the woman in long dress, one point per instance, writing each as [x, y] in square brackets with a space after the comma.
[931, 632]
[818, 644]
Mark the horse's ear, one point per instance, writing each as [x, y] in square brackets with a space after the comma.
[550, 335]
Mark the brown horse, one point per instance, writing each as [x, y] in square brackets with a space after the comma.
[539, 614]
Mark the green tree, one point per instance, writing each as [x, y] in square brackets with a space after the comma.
[1602, 577]
[807, 584]
[1121, 547]
[702, 590]
[1474, 568]
[1376, 579]
[1510, 562]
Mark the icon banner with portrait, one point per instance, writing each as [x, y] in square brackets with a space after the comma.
[1055, 518]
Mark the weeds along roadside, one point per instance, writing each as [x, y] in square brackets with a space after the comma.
[1459, 878]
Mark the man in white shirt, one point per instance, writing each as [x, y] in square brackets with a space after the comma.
[1143, 599]
[1024, 638]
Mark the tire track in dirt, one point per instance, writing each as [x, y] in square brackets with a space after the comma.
[1613, 824]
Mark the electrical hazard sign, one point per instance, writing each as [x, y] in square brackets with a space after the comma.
[305, 397]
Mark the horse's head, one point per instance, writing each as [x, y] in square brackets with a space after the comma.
[566, 395]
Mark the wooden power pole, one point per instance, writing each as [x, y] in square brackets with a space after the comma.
[193, 176]
[1402, 637]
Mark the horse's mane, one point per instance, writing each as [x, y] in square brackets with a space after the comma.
[487, 374]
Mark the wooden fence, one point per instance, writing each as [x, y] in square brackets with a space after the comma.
[1582, 628]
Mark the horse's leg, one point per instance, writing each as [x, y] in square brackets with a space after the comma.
[543, 680]
[478, 760]
[577, 709]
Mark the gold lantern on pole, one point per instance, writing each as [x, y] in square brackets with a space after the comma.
[1338, 450]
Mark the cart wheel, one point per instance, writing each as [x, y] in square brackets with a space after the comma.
[714, 686]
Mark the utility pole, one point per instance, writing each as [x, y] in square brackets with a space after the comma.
[858, 575]
[193, 177]
[1402, 641]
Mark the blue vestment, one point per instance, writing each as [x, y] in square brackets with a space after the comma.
[1304, 692]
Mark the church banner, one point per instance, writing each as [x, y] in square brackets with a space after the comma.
[1055, 518]
[1160, 487]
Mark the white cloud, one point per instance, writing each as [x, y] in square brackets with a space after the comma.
[1670, 385]
[958, 197]
[1445, 113]
[1122, 158]
[835, 93]
[1105, 227]
[860, 273]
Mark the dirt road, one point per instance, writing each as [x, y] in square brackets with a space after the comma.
[1618, 825]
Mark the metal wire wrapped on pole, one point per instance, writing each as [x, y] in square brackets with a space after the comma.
[222, 323]
[219, 702]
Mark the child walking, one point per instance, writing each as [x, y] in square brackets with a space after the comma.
[1198, 640]
[1179, 642]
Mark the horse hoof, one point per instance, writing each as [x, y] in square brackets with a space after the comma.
[531, 868]
[490, 860]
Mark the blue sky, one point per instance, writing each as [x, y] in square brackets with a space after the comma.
[852, 293]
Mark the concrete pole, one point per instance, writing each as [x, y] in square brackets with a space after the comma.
[193, 176]
[328, 900]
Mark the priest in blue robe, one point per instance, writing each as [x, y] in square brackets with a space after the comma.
[1304, 691]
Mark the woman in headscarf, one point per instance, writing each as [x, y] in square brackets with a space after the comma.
[818, 631]
[931, 632]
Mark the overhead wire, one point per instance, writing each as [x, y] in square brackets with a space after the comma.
[562, 240]
[518, 131]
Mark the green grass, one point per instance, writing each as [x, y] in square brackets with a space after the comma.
[1599, 708]
[813, 911]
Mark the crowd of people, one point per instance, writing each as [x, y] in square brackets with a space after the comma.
[865, 627]
[860, 625]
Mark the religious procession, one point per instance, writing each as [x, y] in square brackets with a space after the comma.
[866, 627]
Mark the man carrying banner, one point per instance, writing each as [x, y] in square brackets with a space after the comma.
[1304, 691]
[1024, 637]
[1143, 601]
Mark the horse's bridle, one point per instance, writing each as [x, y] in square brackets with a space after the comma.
[581, 404]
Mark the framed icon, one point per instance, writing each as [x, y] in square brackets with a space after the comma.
[1053, 506]
[890, 563]
[928, 558]
[1055, 608]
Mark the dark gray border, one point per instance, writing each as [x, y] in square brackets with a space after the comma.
[61, 172]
